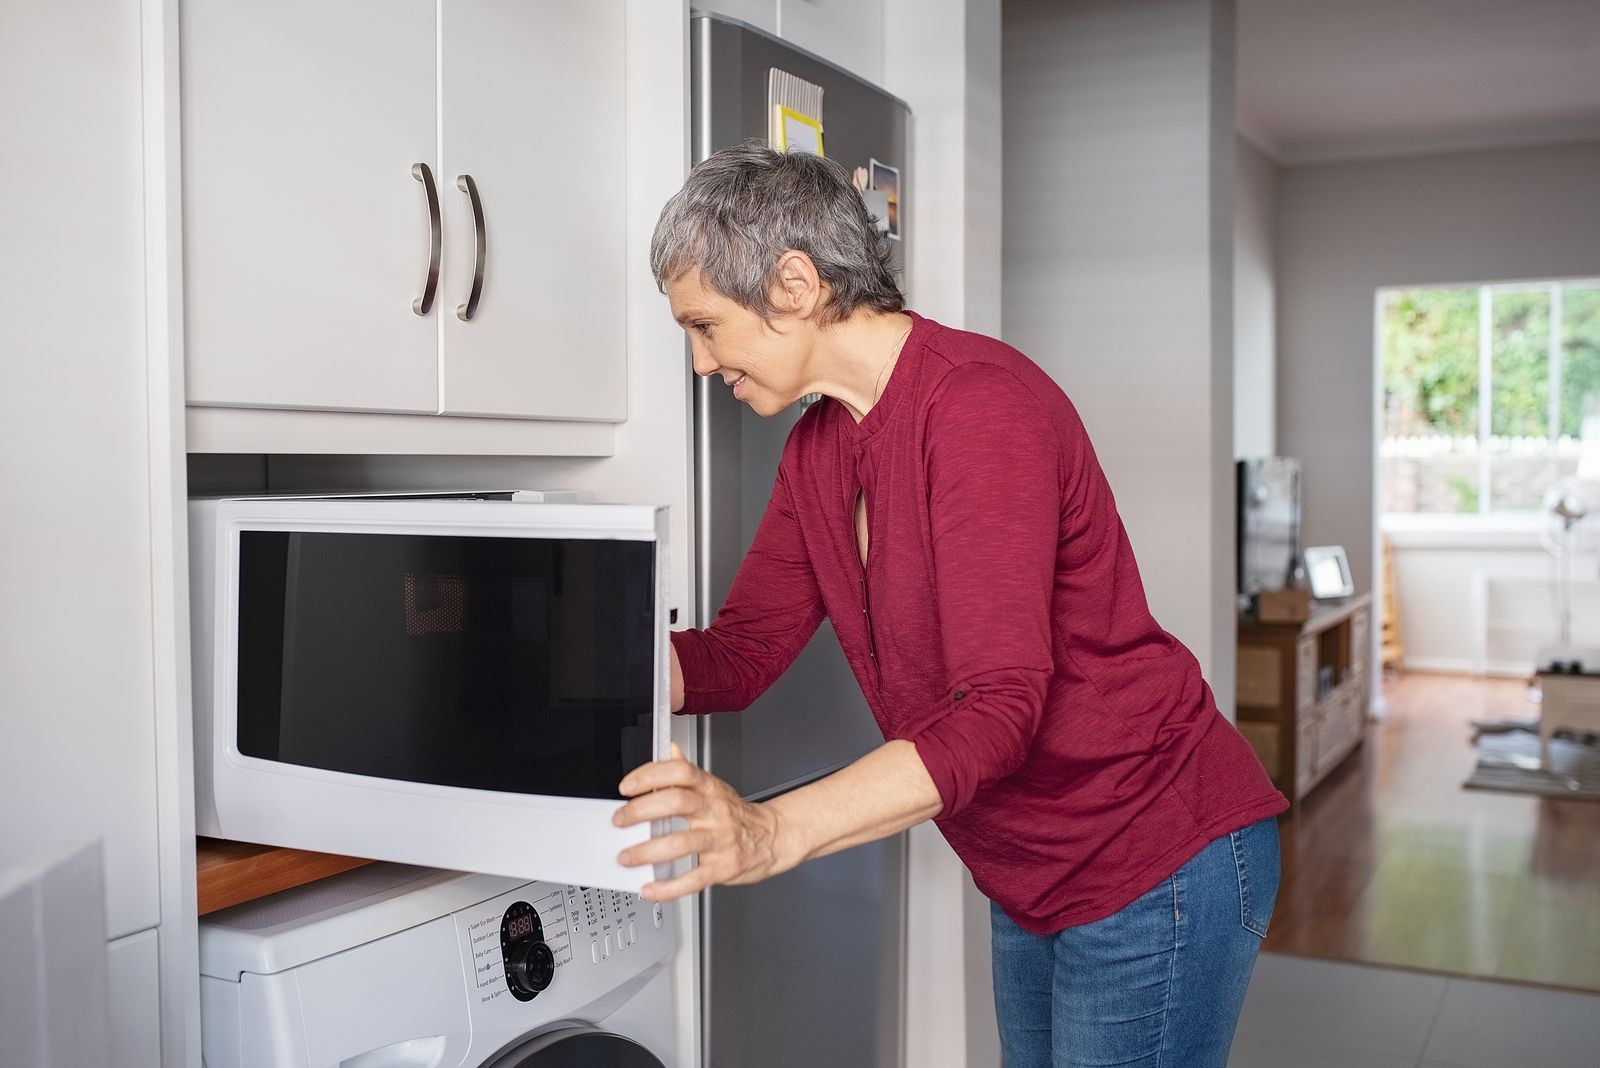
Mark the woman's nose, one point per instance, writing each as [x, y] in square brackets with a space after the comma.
[701, 361]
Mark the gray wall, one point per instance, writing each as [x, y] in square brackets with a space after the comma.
[1255, 205]
[1346, 229]
[1118, 265]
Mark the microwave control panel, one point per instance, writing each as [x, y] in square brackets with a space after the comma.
[549, 949]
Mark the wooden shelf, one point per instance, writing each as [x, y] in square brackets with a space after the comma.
[231, 873]
[1301, 693]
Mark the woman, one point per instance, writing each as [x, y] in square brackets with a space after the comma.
[944, 509]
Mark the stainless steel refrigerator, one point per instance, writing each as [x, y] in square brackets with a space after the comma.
[805, 969]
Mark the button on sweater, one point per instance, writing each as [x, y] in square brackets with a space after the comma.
[999, 624]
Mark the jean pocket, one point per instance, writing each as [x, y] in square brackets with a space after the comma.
[1255, 854]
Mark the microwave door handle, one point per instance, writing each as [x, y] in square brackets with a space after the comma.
[424, 304]
[466, 311]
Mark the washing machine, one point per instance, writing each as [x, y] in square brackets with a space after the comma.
[390, 966]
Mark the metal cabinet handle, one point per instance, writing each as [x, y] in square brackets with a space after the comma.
[424, 304]
[465, 183]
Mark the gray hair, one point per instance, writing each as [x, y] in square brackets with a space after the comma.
[745, 206]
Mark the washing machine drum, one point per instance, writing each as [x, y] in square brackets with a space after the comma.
[578, 1047]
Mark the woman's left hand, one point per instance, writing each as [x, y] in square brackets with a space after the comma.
[737, 842]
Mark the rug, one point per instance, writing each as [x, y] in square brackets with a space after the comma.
[1510, 761]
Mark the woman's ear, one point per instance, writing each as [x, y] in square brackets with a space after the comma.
[799, 289]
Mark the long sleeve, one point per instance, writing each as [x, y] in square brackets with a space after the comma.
[771, 613]
[994, 498]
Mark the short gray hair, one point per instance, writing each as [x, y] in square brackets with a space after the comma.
[745, 206]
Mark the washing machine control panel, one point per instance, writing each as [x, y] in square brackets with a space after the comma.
[550, 949]
[529, 963]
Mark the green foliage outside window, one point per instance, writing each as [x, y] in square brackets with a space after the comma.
[1431, 393]
[1430, 362]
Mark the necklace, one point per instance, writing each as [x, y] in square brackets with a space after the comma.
[877, 385]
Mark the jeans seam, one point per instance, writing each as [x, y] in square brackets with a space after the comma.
[1172, 974]
[1246, 920]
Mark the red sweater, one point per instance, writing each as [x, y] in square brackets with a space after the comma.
[1000, 625]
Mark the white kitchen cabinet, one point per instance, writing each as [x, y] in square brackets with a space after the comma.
[306, 238]
[78, 714]
[534, 112]
[312, 131]
[133, 972]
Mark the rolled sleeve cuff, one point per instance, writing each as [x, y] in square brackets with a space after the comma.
[977, 737]
[700, 693]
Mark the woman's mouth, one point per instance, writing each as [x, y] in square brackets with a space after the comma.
[736, 394]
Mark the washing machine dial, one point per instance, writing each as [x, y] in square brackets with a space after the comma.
[529, 964]
[529, 968]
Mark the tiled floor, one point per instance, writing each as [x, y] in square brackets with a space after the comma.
[1307, 1013]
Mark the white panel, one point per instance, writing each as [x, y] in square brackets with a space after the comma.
[762, 14]
[365, 434]
[846, 32]
[77, 745]
[431, 1001]
[133, 967]
[53, 970]
[305, 234]
[533, 110]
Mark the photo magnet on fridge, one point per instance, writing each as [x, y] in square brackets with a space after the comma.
[886, 179]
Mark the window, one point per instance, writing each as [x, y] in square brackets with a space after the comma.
[1490, 394]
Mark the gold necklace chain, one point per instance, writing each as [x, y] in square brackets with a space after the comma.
[877, 384]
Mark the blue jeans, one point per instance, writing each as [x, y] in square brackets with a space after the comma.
[1158, 984]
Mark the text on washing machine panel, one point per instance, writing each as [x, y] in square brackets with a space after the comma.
[519, 946]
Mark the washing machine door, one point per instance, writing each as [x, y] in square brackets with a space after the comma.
[578, 1047]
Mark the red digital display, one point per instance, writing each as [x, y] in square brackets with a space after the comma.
[519, 927]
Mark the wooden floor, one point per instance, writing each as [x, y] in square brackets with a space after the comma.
[1390, 862]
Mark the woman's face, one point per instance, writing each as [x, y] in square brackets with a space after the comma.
[763, 361]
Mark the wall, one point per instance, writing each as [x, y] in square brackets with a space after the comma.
[851, 33]
[1346, 229]
[1441, 574]
[1255, 203]
[1118, 267]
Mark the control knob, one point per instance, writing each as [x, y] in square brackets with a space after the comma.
[529, 968]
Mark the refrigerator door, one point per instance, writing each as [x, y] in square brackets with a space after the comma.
[804, 970]
[814, 718]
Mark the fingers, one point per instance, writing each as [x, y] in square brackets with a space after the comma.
[660, 805]
[660, 774]
[691, 882]
[668, 847]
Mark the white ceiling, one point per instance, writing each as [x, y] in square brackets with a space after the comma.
[1343, 79]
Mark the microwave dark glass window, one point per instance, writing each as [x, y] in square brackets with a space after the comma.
[511, 664]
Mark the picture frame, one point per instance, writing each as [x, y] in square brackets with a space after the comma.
[1328, 572]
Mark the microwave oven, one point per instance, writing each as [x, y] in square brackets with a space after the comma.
[458, 683]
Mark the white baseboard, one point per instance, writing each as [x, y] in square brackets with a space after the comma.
[1454, 665]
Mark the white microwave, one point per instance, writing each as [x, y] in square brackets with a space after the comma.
[459, 683]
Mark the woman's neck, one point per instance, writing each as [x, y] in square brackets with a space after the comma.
[856, 358]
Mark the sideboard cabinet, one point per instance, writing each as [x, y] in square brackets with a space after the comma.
[1302, 691]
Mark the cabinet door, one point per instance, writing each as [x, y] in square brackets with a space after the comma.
[306, 237]
[79, 706]
[533, 95]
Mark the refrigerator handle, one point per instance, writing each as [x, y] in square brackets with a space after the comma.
[424, 304]
[466, 311]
